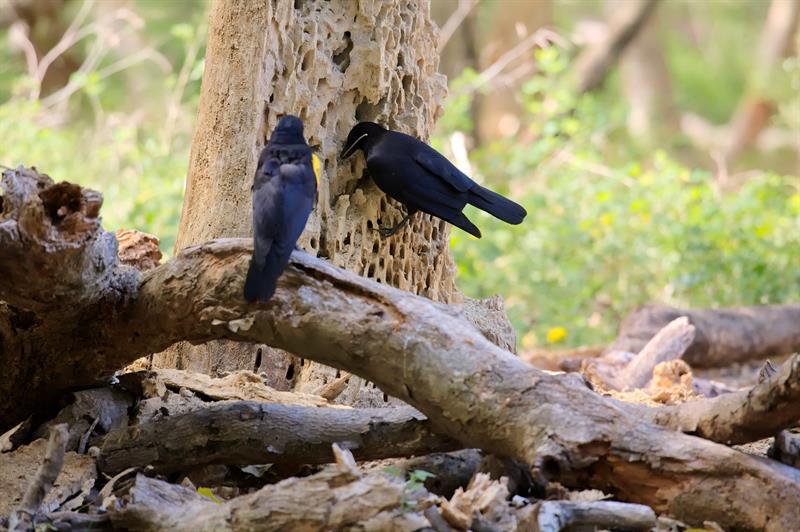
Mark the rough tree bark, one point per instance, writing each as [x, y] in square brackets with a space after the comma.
[331, 64]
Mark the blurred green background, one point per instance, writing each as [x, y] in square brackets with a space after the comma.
[637, 190]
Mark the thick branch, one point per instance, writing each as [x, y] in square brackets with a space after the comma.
[723, 336]
[428, 356]
[425, 354]
[744, 416]
[250, 432]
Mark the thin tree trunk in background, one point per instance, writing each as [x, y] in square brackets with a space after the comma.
[317, 61]
[647, 85]
[596, 62]
[754, 112]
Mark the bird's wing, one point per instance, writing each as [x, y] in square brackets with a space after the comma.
[281, 208]
[299, 191]
[436, 163]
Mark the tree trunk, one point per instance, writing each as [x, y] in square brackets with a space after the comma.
[332, 65]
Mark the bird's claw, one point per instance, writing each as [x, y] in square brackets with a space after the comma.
[386, 232]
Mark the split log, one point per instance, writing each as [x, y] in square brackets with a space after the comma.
[423, 353]
[337, 498]
[249, 432]
[42, 481]
[722, 336]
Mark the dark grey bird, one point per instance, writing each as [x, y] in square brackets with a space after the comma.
[422, 179]
[284, 191]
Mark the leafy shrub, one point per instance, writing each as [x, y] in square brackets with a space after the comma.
[610, 227]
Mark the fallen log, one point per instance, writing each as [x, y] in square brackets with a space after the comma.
[723, 336]
[425, 354]
[249, 432]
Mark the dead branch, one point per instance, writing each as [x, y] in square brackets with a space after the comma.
[668, 344]
[249, 432]
[722, 336]
[594, 64]
[42, 482]
[342, 499]
[743, 416]
[564, 515]
[427, 355]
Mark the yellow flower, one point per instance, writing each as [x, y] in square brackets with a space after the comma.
[556, 334]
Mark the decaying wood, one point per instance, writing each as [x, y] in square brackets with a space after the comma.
[138, 249]
[15, 435]
[722, 336]
[427, 355]
[249, 432]
[449, 471]
[565, 515]
[668, 344]
[786, 448]
[743, 416]
[335, 499]
[240, 385]
[42, 481]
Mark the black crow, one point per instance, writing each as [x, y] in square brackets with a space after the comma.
[422, 179]
[284, 190]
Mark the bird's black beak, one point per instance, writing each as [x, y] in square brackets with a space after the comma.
[348, 150]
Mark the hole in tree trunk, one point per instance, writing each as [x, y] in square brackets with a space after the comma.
[258, 361]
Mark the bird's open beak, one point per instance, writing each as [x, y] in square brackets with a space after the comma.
[348, 151]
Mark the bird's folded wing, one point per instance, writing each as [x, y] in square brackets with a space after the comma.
[437, 164]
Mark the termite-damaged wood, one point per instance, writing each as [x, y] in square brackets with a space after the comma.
[723, 336]
[421, 352]
[250, 432]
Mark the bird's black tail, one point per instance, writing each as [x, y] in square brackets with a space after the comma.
[261, 281]
[463, 222]
[496, 205]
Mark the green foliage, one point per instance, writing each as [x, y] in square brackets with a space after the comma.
[131, 146]
[610, 228]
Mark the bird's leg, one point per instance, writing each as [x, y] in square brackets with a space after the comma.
[389, 231]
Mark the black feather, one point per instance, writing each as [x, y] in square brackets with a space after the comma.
[284, 190]
[422, 179]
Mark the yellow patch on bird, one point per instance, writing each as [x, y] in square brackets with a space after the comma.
[316, 164]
